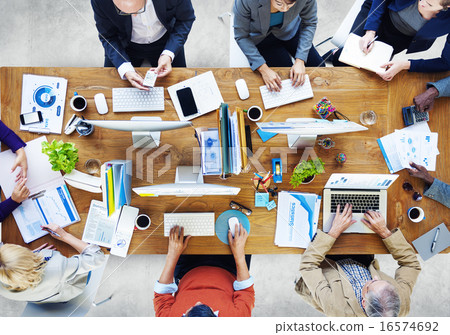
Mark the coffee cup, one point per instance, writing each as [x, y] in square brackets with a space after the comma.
[143, 222]
[78, 103]
[416, 214]
[254, 113]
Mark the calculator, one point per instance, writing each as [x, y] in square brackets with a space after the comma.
[411, 115]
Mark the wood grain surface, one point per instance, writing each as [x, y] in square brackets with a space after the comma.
[350, 90]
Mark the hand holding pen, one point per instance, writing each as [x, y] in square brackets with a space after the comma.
[366, 42]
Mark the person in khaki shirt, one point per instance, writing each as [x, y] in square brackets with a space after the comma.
[346, 287]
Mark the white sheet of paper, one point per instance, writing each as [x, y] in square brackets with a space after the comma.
[100, 228]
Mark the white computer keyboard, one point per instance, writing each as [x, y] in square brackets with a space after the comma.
[287, 95]
[130, 99]
[195, 224]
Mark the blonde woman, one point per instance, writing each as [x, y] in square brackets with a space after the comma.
[44, 275]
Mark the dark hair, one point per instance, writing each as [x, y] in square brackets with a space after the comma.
[201, 311]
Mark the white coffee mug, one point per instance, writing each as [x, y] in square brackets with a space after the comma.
[416, 214]
[78, 103]
[254, 113]
[143, 221]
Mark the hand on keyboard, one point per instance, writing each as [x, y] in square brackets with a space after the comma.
[341, 220]
[136, 80]
[297, 73]
[177, 242]
[376, 222]
[271, 78]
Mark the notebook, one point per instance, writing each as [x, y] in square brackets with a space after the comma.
[352, 54]
[363, 191]
[423, 243]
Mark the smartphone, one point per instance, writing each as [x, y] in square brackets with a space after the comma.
[29, 118]
[187, 102]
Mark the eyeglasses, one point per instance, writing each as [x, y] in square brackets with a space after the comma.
[408, 187]
[140, 11]
[239, 207]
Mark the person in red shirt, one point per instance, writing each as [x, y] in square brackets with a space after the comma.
[205, 285]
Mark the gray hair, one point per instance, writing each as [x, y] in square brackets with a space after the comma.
[385, 302]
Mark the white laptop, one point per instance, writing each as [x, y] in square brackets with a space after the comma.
[363, 191]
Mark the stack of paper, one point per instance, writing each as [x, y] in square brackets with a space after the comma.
[411, 144]
[297, 219]
[116, 184]
[113, 231]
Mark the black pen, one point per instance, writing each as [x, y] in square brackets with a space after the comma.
[433, 245]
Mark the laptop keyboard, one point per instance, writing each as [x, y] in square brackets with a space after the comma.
[360, 202]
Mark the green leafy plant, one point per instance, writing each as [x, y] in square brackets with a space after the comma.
[306, 169]
[62, 156]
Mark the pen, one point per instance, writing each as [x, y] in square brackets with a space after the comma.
[257, 175]
[370, 43]
[36, 195]
[433, 245]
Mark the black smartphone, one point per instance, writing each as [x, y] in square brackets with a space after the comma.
[29, 118]
[187, 102]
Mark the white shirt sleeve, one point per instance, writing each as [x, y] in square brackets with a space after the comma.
[168, 53]
[124, 68]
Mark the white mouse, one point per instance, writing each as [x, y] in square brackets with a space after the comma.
[232, 222]
[242, 89]
[100, 103]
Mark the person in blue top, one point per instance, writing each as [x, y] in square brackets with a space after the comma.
[434, 188]
[270, 32]
[404, 24]
[424, 102]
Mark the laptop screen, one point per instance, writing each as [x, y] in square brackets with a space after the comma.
[362, 181]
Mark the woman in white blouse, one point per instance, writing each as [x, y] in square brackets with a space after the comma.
[44, 275]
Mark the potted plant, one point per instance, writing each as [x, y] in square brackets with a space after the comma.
[305, 171]
[62, 156]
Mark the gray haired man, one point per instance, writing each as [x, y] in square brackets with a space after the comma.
[353, 285]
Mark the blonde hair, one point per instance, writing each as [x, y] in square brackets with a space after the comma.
[20, 268]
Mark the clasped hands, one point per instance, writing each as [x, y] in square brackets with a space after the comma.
[343, 220]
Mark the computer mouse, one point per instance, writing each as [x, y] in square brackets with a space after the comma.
[232, 224]
[242, 89]
[100, 103]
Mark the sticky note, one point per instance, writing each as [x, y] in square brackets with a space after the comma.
[271, 205]
[265, 136]
[261, 199]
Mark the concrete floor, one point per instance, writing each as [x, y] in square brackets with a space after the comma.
[62, 33]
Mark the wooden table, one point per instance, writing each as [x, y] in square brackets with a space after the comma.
[351, 90]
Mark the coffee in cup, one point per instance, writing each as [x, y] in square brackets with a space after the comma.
[254, 113]
[416, 214]
[143, 222]
[78, 103]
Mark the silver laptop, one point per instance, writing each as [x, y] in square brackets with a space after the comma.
[363, 191]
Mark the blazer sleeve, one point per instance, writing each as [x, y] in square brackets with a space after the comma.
[312, 274]
[409, 266]
[10, 138]
[184, 18]
[163, 304]
[108, 34]
[440, 64]
[242, 17]
[6, 208]
[443, 87]
[308, 26]
[439, 191]
[244, 301]
[376, 14]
